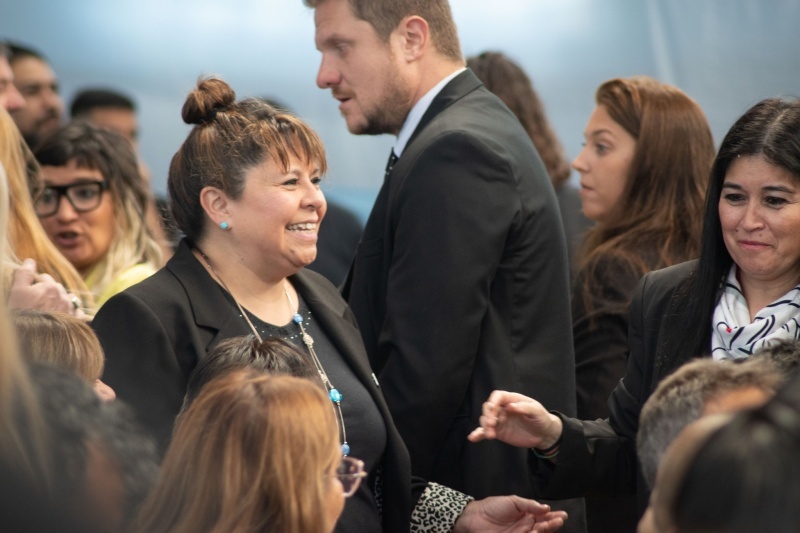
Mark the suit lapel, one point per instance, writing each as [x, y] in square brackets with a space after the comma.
[211, 310]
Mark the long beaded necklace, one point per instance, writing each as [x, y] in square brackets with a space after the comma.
[333, 393]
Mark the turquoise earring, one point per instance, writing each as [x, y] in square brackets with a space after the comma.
[225, 226]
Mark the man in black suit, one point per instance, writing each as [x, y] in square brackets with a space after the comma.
[460, 284]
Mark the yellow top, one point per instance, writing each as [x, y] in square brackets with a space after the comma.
[127, 278]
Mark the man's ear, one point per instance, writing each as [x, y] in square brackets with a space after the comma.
[215, 203]
[414, 35]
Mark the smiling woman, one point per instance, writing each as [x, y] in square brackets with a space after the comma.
[245, 191]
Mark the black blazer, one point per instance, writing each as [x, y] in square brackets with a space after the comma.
[599, 457]
[155, 332]
[460, 286]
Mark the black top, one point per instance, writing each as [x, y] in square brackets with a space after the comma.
[366, 433]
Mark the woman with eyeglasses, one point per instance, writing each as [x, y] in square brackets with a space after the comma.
[92, 207]
[253, 452]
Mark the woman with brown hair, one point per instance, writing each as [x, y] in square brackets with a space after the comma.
[253, 452]
[644, 168]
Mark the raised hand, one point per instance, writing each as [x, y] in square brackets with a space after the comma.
[31, 290]
[517, 420]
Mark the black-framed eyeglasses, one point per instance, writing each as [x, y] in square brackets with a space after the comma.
[83, 196]
[350, 473]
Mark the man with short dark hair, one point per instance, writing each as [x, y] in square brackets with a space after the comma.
[107, 109]
[38, 85]
[460, 283]
[115, 111]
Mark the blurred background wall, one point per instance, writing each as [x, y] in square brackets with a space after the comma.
[727, 54]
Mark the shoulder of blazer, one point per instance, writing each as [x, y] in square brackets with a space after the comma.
[457, 88]
[661, 285]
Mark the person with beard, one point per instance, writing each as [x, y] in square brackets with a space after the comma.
[461, 281]
[36, 81]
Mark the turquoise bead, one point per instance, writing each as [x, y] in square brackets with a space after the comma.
[345, 449]
[297, 318]
[335, 395]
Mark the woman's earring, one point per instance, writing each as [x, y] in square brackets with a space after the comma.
[224, 226]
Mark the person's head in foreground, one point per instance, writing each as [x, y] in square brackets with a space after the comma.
[699, 388]
[270, 356]
[253, 452]
[736, 476]
[63, 340]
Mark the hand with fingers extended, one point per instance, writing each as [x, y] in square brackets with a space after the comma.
[517, 420]
[508, 514]
[31, 290]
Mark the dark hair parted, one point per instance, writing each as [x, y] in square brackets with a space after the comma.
[90, 99]
[21, 51]
[385, 15]
[657, 221]
[769, 129]
[509, 82]
[269, 356]
[230, 138]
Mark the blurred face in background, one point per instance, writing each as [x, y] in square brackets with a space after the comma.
[604, 164]
[10, 99]
[43, 108]
[118, 119]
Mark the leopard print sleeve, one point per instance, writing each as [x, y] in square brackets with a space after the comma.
[438, 509]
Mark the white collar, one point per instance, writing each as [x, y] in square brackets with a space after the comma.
[415, 115]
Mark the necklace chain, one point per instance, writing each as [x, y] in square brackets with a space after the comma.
[335, 396]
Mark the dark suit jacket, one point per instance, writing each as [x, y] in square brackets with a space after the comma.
[600, 456]
[460, 286]
[154, 333]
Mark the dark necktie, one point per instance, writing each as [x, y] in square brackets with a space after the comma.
[390, 164]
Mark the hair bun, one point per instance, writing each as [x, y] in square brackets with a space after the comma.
[202, 104]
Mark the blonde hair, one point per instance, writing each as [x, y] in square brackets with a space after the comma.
[109, 153]
[25, 236]
[61, 339]
[250, 454]
[24, 441]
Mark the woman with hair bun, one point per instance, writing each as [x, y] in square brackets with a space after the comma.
[245, 190]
